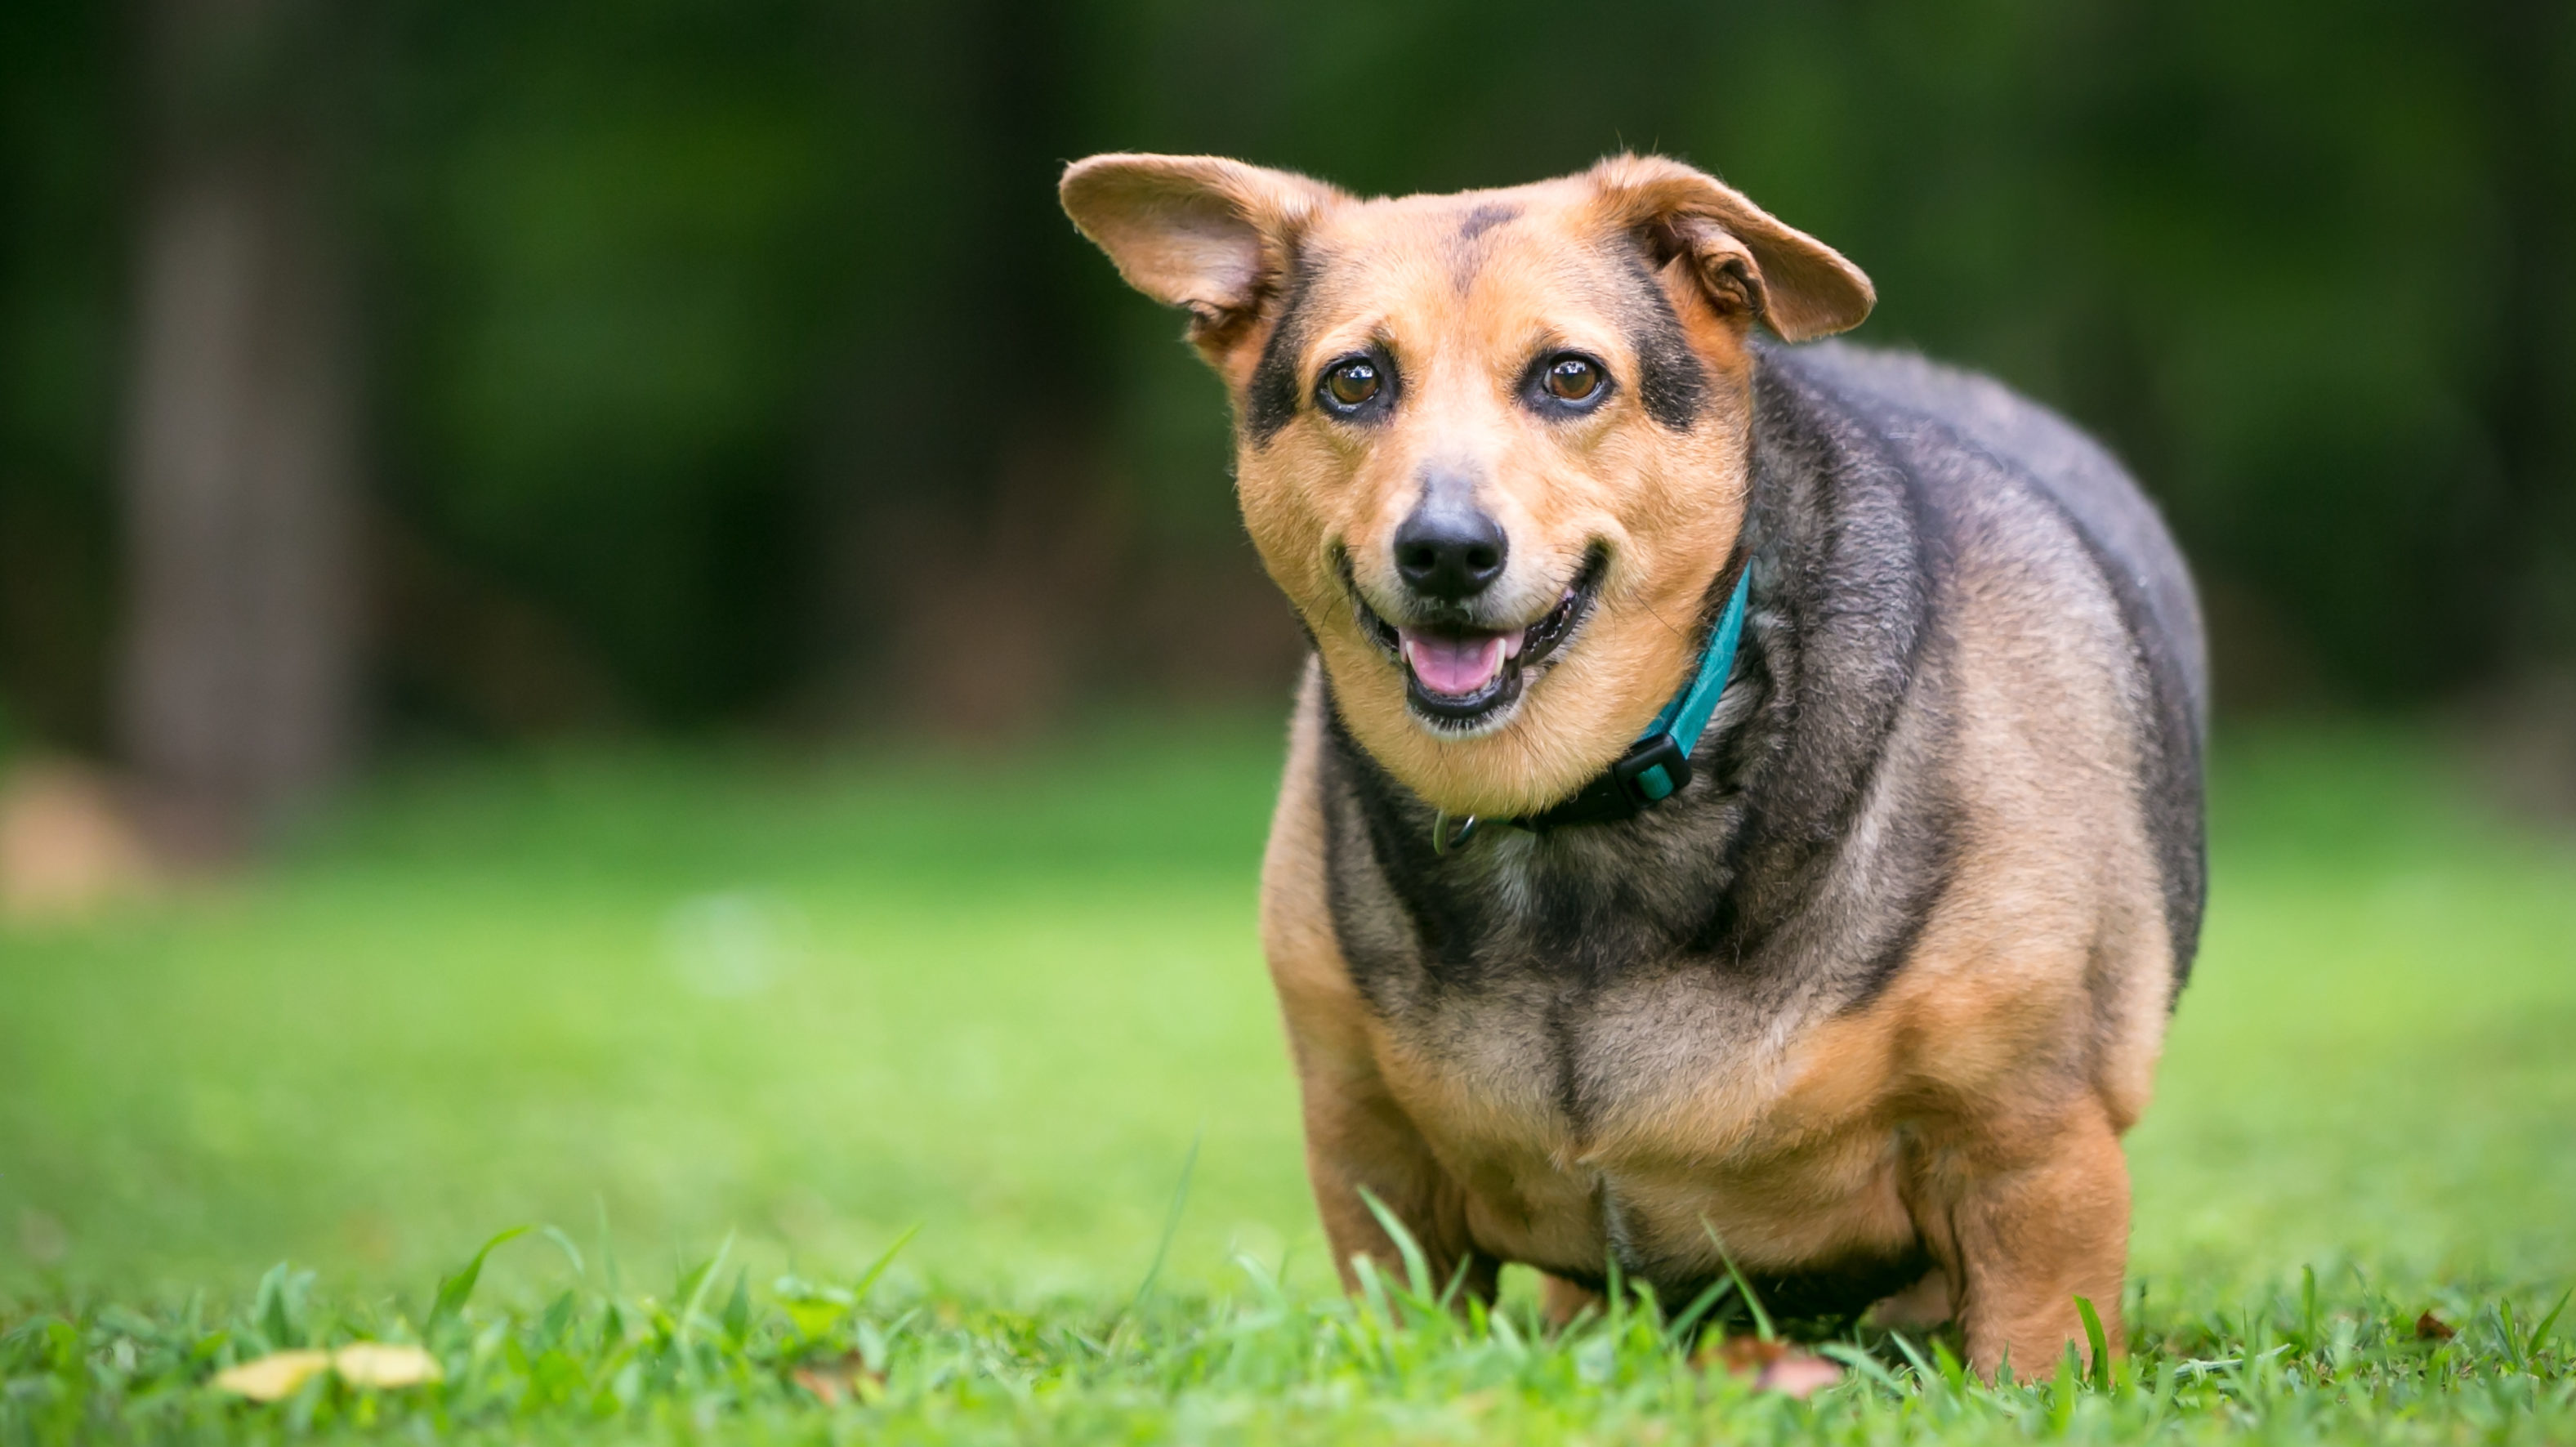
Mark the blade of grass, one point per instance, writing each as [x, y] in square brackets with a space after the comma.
[1861, 1362]
[1417, 1266]
[2100, 1375]
[454, 1291]
[697, 1283]
[1924, 1372]
[1171, 1228]
[275, 1321]
[868, 1278]
[737, 1311]
[571, 1252]
[1701, 1305]
[1761, 1319]
[1457, 1281]
[2540, 1333]
[607, 1252]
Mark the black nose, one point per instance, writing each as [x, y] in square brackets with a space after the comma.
[1449, 552]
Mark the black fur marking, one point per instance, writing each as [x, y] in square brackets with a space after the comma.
[1934, 849]
[1923, 847]
[1670, 380]
[1270, 401]
[1394, 846]
[1831, 510]
[1464, 252]
[1485, 218]
[1563, 1050]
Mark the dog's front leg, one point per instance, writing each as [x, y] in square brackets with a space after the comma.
[1359, 1141]
[1359, 1144]
[2028, 1234]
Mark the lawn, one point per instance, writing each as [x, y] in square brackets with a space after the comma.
[727, 1027]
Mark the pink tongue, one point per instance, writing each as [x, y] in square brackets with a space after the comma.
[1454, 666]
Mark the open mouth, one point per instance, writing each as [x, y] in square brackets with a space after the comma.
[1459, 677]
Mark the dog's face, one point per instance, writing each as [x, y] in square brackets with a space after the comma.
[1494, 445]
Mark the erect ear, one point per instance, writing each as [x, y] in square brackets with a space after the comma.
[1198, 232]
[1746, 260]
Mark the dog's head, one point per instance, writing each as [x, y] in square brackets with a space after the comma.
[1494, 446]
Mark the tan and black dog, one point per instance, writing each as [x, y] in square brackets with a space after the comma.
[1866, 1002]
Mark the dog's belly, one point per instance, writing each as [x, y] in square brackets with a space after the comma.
[1665, 1125]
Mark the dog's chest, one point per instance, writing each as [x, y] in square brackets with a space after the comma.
[1628, 1104]
[1594, 1045]
[1557, 994]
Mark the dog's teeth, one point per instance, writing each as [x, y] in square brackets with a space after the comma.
[1514, 642]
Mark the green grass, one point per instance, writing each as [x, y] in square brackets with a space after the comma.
[760, 1019]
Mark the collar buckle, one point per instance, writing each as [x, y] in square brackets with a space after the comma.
[1653, 770]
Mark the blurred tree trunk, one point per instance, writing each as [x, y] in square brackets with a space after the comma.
[240, 668]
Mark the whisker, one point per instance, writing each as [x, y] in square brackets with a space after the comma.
[1669, 628]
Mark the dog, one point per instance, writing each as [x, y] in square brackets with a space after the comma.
[1742, 820]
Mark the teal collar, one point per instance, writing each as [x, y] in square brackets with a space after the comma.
[1657, 765]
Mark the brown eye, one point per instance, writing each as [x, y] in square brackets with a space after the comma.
[1573, 379]
[1352, 383]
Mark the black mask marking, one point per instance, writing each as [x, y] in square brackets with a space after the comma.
[1270, 402]
[1670, 380]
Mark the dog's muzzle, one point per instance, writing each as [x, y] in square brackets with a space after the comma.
[1459, 677]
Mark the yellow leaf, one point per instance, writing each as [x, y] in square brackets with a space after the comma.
[360, 1364]
[375, 1364]
[273, 1376]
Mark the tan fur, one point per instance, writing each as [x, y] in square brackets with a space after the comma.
[1976, 1103]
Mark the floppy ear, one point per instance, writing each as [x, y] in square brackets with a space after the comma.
[1198, 232]
[1744, 258]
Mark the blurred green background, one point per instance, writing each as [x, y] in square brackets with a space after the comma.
[724, 629]
[711, 366]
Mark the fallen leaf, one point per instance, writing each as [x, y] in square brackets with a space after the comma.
[266, 1379]
[2429, 1327]
[835, 1380]
[1774, 1366]
[379, 1365]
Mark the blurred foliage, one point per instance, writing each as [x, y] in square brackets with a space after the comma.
[715, 347]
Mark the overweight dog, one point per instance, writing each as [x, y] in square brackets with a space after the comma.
[1744, 812]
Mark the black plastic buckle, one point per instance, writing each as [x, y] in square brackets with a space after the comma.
[1632, 772]
[1622, 791]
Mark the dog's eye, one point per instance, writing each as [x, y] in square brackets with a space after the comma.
[1573, 379]
[1352, 383]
